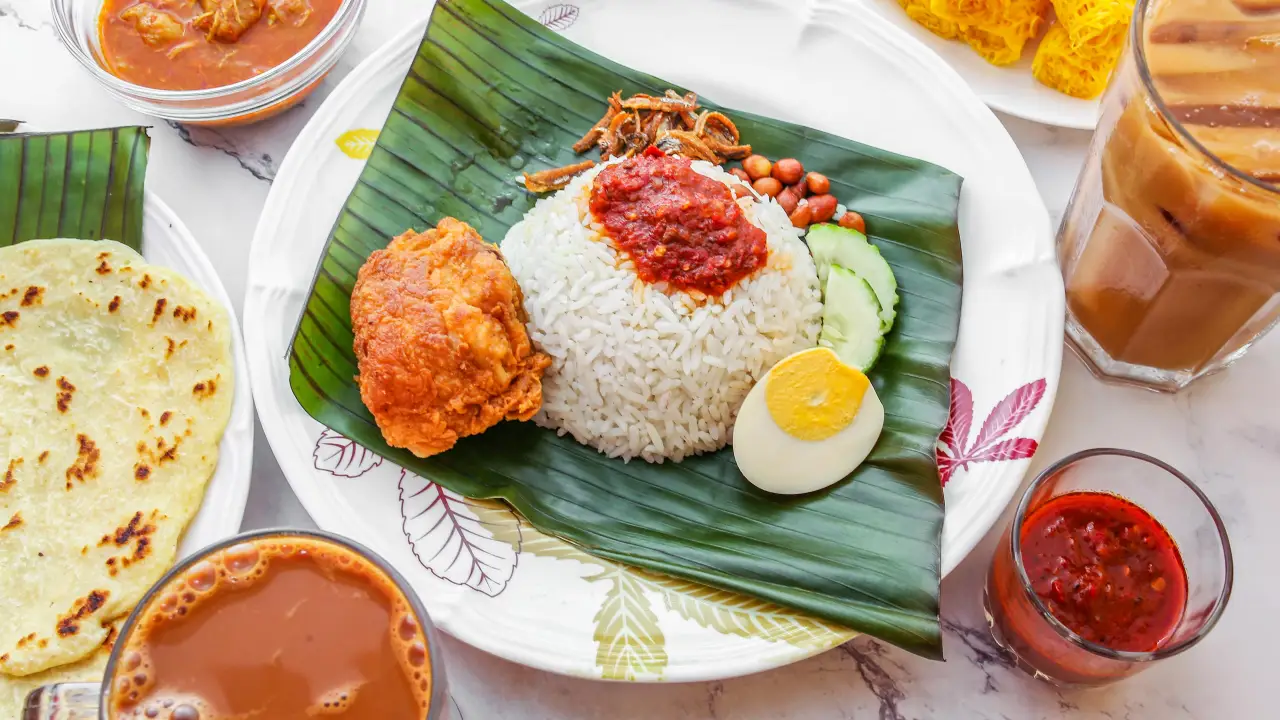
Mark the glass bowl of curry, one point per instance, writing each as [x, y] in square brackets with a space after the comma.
[208, 62]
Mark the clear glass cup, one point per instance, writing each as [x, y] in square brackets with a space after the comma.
[89, 701]
[1169, 247]
[257, 98]
[1045, 648]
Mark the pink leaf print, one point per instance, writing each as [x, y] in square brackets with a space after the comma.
[1009, 412]
[342, 456]
[1015, 449]
[450, 540]
[956, 432]
[954, 451]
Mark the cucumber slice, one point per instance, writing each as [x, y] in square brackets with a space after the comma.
[834, 245]
[851, 319]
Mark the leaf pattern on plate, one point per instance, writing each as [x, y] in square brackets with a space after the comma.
[357, 144]
[954, 452]
[629, 642]
[342, 456]
[451, 540]
[559, 17]
[509, 527]
[734, 614]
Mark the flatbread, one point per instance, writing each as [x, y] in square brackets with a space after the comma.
[116, 379]
[14, 690]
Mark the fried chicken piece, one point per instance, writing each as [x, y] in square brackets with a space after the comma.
[440, 337]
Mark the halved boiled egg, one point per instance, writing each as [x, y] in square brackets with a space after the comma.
[807, 424]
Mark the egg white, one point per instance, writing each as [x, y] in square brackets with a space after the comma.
[779, 463]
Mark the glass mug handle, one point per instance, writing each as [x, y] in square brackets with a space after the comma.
[64, 701]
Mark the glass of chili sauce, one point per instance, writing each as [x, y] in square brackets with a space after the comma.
[1114, 560]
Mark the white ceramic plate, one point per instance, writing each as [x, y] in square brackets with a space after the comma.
[166, 241]
[1009, 89]
[490, 580]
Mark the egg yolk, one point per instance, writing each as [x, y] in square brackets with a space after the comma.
[812, 395]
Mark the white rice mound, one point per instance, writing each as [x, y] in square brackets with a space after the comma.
[641, 370]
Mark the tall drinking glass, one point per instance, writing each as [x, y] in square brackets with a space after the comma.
[1170, 248]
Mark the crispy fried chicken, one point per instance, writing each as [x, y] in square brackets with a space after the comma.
[440, 337]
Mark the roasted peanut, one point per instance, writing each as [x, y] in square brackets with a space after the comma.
[741, 175]
[757, 166]
[802, 217]
[823, 207]
[817, 183]
[853, 220]
[788, 171]
[788, 200]
[767, 186]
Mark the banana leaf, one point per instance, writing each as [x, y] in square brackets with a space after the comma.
[491, 93]
[86, 185]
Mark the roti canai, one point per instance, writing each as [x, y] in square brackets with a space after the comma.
[117, 384]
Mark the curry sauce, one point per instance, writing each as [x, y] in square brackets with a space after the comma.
[201, 44]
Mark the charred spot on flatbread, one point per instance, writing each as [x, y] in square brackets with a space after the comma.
[114, 305]
[137, 533]
[185, 314]
[69, 624]
[41, 372]
[65, 390]
[10, 318]
[14, 522]
[206, 388]
[85, 466]
[158, 311]
[34, 295]
[10, 475]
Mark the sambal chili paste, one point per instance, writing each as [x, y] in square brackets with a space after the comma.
[677, 226]
[1106, 569]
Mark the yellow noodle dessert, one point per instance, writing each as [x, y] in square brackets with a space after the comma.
[1001, 42]
[1077, 55]
[919, 11]
[1097, 25]
[1079, 71]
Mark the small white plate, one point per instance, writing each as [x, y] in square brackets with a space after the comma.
[1009, 89]
[490, 580]
[166, 241]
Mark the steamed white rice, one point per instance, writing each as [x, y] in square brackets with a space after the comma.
[642, 370]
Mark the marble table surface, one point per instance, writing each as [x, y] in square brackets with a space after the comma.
[1225, 433]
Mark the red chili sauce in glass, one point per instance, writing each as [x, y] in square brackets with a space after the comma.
[677, 226]
[1106, 569]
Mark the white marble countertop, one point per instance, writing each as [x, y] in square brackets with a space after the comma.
[1225, 433]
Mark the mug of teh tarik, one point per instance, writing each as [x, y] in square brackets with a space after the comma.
[279, 624]
[1170, 248]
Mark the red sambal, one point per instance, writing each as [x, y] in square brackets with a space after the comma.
[677, 226]
[1106, 569]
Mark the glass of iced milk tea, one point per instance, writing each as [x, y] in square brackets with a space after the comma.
[1171, 245]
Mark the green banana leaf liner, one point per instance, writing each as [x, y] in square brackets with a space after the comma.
[492, 93]
[86, 185]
